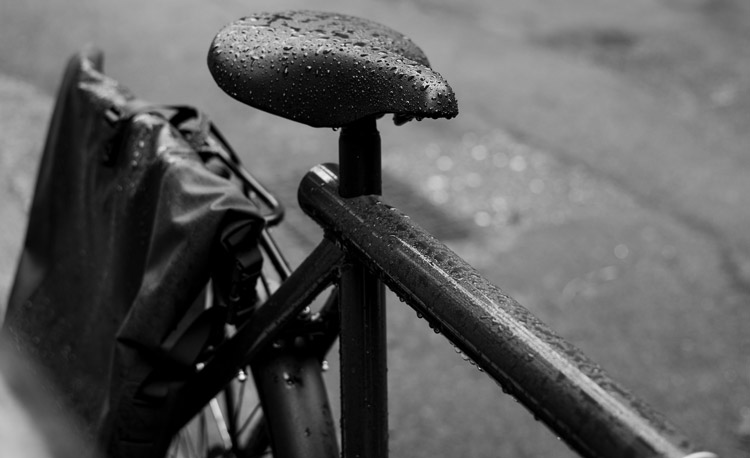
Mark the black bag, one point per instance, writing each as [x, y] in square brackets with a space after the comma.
[126, 228]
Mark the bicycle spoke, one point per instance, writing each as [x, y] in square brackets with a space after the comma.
[221, 424]
[249, 420]
[240, 400]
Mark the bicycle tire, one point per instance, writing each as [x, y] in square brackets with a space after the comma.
[231, 425]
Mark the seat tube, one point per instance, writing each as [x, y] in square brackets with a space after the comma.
[364, 392]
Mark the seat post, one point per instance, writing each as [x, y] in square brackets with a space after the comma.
[364, 393]
[359, 159]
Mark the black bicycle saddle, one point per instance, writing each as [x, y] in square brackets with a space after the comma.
[327, 70]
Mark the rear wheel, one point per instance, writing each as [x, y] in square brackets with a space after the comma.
[231, 425]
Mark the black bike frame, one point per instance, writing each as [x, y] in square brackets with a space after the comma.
[549, 376]
[368, 242]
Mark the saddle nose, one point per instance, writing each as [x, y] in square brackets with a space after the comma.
[327, 70]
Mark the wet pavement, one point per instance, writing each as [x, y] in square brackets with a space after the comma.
[597, 172]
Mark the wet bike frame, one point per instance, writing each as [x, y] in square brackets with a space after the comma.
[368, 243]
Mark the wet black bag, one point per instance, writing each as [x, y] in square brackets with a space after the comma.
[126, 228]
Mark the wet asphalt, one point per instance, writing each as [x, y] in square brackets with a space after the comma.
[597, 173]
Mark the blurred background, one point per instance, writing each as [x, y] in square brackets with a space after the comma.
[598, 173]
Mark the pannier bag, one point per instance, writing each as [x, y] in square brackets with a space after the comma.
[127, 227]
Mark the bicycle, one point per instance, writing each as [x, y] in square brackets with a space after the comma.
[354, 71]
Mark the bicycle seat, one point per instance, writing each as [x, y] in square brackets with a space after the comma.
[327, 70]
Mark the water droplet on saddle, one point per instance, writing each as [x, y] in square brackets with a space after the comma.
[350, 58]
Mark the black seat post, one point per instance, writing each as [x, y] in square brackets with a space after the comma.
[364, 395]
[359, 159]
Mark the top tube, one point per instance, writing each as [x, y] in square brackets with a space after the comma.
[548, 375]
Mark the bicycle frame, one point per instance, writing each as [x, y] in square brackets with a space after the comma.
[368, 241]
[549, 376]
